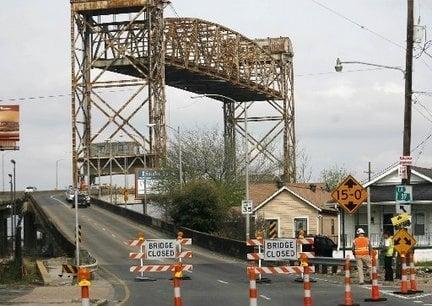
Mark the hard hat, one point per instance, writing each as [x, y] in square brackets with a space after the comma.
[360, 231]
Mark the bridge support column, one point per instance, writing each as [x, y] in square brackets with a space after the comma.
[230, 140]
[29, 232]
[3, 235]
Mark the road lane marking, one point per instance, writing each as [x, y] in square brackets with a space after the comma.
[103, 228]
[222, 282]
[265, 297]
[60, 201]
[420, 302]
[113, 235]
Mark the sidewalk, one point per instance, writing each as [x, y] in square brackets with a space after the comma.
[60, 290]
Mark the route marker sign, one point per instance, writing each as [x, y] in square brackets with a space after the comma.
[160, 249]
[350, 194]
[280, 249]
[403, 241]
[246, 207]
[403, 194]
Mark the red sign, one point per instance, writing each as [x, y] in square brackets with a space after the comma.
[406, 160]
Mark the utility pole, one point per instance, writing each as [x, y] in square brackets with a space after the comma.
[369, 172]
[408, 87]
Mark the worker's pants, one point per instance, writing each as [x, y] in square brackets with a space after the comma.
[363, 261]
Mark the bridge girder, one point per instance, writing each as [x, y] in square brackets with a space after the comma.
[186, 53]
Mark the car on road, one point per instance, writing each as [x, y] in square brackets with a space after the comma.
[83, 200]
[70, 193]
[29, 189]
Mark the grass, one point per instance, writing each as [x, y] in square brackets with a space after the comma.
[424, 264]
[10, 273]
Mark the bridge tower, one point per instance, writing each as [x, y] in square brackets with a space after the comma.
[118, 120]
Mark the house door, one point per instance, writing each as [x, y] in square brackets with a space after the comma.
[387, 224]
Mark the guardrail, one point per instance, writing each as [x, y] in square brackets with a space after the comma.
[330, 261]
[62, 240]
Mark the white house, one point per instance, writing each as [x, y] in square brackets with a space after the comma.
[383, 208]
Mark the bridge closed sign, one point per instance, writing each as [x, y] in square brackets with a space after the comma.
[160, 249]
[280, 249]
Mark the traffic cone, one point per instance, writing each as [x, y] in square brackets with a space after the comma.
[307, 301]
[404, 282]
[412, 269]
[176, 282]
[253, 292]
[375, 293]
[348, 295]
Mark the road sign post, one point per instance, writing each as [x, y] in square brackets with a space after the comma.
[349, 195]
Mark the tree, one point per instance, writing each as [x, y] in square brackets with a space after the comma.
[333, 176]
[198, 206]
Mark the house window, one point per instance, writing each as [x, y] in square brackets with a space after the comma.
[419, 224]
[362, 222]
[300, 224]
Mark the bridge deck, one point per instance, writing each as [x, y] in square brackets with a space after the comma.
[196, 81]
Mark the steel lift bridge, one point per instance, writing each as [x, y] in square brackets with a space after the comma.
[124, 53]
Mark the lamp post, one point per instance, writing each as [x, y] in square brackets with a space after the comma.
[57, 171]
[246, 150]
[407, 118]
[11, 212]
[3, 184]
[14, 198]
[109, 140]
[178, 131]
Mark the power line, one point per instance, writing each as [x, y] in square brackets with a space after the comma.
[357, 24]
[333, 72]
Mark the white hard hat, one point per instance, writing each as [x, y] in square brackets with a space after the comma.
[360, 231]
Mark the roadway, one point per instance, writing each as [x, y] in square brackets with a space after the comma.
[216, 280]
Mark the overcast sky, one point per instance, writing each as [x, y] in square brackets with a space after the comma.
[346, 118]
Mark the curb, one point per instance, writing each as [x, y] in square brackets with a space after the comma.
[43, 272]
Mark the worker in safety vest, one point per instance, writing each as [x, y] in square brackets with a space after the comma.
[388, 251]
[362, 252]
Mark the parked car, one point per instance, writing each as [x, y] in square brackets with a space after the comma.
[30, 189]
[83, 200]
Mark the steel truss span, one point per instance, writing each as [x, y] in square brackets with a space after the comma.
[124, 53]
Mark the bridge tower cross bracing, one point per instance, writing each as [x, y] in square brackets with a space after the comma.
[108, 108]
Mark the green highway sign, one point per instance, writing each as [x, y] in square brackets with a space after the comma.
[403, 194]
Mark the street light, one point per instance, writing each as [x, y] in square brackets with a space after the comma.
[11, 212]
[178, 131]
[246, 150]
[110, 163]
[14, 196]
[339, 67]
[57, 166]
[407, 119]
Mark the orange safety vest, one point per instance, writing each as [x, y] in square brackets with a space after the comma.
[361, 246]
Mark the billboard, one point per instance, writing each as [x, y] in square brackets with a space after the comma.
[9, 127]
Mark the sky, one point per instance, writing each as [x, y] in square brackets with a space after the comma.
[345, 119]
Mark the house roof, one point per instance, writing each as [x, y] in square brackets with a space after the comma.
[317, 198]
[424, 173]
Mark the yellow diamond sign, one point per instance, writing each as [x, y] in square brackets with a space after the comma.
[403, 241]
[350, 195]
